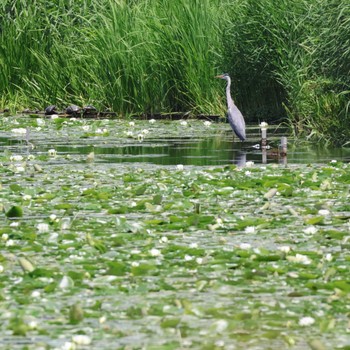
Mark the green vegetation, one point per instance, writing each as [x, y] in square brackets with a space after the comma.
[287, 58]
[166, 257]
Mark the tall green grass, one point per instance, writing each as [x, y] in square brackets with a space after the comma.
[288, 59]
[131, 56]
[297, 53]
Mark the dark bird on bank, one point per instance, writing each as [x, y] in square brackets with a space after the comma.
[234, 115]
[73, 110]
[49, 110]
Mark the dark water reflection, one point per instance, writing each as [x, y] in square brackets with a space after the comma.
[217, 149]
[212, 151]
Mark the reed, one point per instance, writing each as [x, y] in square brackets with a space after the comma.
[297, 50]
[288, 59]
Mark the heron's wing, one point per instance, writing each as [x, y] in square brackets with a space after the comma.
[236, 121]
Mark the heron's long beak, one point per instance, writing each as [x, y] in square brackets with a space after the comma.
[219, 76]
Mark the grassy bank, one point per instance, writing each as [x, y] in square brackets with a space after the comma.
[287, 59]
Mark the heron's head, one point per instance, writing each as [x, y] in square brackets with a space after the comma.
[224, 76]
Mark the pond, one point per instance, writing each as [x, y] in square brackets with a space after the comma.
[168, 145]
[169, 235]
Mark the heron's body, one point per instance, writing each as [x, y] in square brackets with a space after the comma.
[234, 115]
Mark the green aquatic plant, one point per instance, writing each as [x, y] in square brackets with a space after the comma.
[108, 251]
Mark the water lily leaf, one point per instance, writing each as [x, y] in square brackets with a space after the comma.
[14, 212]
[41, 272]
[26, 265]
[140, 190]
[116, 268]
[18, 326]
[16, 188]
[119, 210]
[285, 190]
[317, 344]
[63, 206]
[340, 284]
[142, 270]
[270, 193]
[316, 220]
[38, 168]
[76, 314]
[170, 322]
[157, 199]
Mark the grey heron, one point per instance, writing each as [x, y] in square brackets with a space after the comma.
[234, 115]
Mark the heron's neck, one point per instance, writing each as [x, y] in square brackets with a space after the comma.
[228, 89]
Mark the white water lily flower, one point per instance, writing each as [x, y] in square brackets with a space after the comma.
[35, 294]
[163, 239]
[1, 269]
[155, 252]
[248, 173]
[245, 246]
[328, 257]
[5, 237]
[33, 324]
[188, 257]
[152, 121]
[27, 197]
[324, 212]
[194, 245]
[183, 122]
[66, 282]
[135, 264]
[299, 258]
[249, 229]
[54, 116]
[52, 152]
[129, 133]
[102, 319]
[219, 221]
[19, 131]
[81, 339]
[310, 230]
[86, 127]
[249, 164]
[306, 321]
[199, 261]
[131, 123]
[145, 131]
[285, 249]
[19, 169]
[67, 346]
[207, 123]
[43, 227]
[16, 158]
[40, 121]
[10, 243]
[180, 167]
[333, 161]
[220, 325]
[140, 137]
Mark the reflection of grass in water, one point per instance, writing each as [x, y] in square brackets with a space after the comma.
[151, 250]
